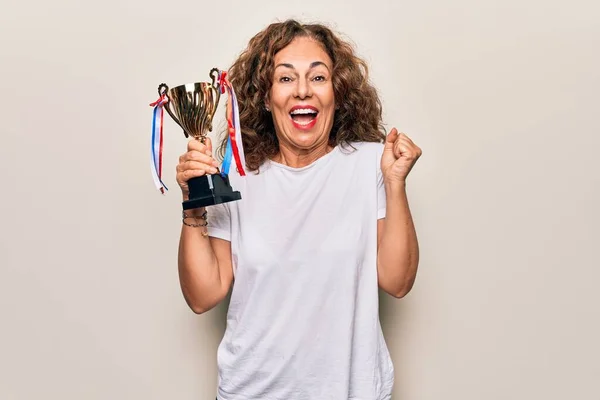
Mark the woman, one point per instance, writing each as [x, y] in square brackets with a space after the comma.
[323, 223]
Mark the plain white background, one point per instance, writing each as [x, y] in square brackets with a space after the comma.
[502, 96]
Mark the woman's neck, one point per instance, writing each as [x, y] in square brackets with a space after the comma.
[298, 158]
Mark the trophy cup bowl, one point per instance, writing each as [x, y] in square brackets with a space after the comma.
[192, 106]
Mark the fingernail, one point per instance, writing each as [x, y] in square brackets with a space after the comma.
[213, 170]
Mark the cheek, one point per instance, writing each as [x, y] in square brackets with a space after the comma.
[273, 99]
[329, 108]
[329, 98]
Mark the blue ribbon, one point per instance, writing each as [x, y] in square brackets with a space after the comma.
[227, 159]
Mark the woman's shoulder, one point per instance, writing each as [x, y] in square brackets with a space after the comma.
[362, 148]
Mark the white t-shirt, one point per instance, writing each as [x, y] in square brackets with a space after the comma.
[303, 321]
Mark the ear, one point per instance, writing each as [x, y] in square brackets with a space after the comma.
[267, 105]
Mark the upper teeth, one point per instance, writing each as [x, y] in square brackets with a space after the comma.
[303, 111]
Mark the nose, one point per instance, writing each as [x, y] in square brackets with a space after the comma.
[303, 89]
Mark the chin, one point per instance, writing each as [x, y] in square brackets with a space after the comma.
[304, 140]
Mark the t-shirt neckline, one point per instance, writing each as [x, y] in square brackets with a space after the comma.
[311, 165]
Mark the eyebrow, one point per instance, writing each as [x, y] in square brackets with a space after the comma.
[312, 65]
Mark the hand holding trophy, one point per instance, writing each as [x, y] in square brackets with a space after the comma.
[192, 106]
[196, 161]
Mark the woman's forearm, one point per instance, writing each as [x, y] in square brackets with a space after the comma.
[398, 250]
[203, 282]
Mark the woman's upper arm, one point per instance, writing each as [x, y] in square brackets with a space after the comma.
[219, 231]
[222, 250]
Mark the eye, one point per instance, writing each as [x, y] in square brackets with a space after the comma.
[319, 78]
[285, 79]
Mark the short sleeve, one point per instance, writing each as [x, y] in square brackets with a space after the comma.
[380, 186]
[219, 221]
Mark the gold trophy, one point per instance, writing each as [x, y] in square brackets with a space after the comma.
[192, 106]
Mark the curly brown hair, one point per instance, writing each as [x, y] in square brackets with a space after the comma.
[358, 117]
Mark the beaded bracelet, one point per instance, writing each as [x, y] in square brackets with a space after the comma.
[184, 216]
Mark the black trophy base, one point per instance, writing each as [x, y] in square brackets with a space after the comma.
[209, 190]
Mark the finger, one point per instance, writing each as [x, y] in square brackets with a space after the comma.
[410, 146]
[400, 148]
[392, 136]
[406, 149]
[191, 173]
[391, 139]
[404, 141]
[184, 177]
[196, 145]
[404, 137]
[208, 143]
[210, 168]
[200, 157]
[403, 145]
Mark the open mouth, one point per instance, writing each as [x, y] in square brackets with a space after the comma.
[304, 117]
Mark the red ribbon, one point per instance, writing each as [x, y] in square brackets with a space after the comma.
[225, 84]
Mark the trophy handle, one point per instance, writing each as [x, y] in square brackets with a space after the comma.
[214, 74]
[162, 91]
